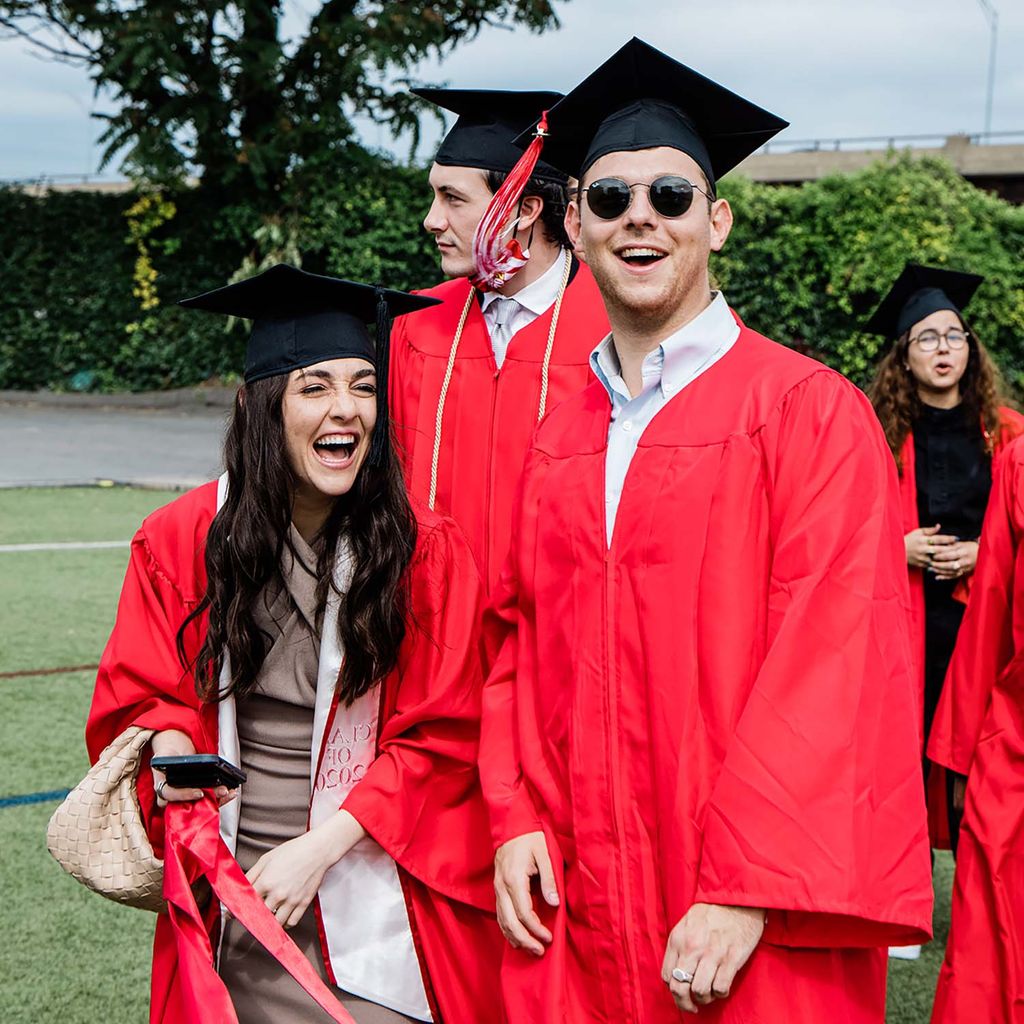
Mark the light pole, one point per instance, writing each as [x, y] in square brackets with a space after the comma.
[993, 20]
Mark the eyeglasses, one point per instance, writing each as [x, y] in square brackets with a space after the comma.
[928, 341]
[670, 195]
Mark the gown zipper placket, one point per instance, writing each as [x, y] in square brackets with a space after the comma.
[615, 789]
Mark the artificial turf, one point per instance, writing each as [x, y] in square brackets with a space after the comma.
[57, 607]
[62, 514]
[68, 956]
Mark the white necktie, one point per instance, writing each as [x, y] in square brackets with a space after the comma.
[504, 308]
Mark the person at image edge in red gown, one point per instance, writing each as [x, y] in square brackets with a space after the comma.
[472, 377]
[979, 732]
[360, 823]
[699, 743]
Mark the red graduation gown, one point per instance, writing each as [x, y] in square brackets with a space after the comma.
[420, 799]
[490, 414]
[1011, 424]
[720, 708]
[979, 732]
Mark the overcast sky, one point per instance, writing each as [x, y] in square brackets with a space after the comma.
[831, 67]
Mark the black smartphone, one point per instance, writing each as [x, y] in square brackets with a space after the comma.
[198, 771]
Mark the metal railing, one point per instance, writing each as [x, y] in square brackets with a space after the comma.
[933, 140]
[835, 145]
[67, 179]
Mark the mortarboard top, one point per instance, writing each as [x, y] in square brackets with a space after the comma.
[641, 98]
[488, 121]
[299, 319]
[918, 292]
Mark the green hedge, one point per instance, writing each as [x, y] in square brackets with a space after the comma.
[807, 265]
[67, 266]
[803, 265]
[66, 269]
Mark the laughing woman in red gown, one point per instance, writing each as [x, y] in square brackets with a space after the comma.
[302, 619]
[979, 731]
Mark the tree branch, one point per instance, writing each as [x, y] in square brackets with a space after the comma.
[15, 31]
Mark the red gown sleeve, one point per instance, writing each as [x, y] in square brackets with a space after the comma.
[818, 811]
[140, 679]
[509, 805]
[1011, 426]
[985, 643]
[420, 799]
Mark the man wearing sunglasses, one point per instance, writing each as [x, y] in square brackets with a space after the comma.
[472, 378]
[699, 737]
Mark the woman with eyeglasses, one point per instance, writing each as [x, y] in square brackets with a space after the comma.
[938, 396]
[304, 620]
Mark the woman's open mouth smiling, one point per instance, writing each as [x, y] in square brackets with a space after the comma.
[336, 450]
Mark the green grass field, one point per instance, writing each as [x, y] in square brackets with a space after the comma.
[68, 956]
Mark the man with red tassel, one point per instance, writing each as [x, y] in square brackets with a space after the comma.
[700, 733]
[472, 378]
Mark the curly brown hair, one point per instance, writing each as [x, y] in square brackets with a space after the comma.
[893, 393]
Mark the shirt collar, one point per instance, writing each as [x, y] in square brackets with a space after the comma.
[538, 296]
[604, 361]
[681, 356]
[697, 343]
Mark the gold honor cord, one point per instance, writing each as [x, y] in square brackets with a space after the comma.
[543, 407]
[444, 396]
[446, 383]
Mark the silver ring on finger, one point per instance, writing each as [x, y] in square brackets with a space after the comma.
[159, 788]
[683, 977]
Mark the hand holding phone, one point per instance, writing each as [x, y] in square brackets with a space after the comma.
[198, 771]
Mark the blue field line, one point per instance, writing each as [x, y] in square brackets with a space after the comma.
[34, 798]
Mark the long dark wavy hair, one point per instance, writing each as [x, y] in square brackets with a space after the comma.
[247, 539]
[893, 393]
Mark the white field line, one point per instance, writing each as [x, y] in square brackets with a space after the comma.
[73, 545]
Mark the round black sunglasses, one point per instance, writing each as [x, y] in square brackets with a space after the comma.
[670, 195]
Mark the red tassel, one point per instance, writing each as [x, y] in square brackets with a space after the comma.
[496, 260]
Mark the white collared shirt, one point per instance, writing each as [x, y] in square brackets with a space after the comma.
[679, 360]
[527, 304]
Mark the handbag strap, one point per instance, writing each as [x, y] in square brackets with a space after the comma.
[194, 842]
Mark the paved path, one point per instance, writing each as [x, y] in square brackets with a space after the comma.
[45, 445]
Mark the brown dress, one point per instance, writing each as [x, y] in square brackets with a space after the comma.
[275, 734]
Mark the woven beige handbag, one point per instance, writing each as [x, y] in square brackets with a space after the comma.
[97, 835]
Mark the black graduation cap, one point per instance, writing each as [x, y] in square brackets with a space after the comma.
[918, 292]
[641, 98]
[488, 121]
[299, 319]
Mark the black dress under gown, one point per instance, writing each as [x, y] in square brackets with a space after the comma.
[953, 474]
